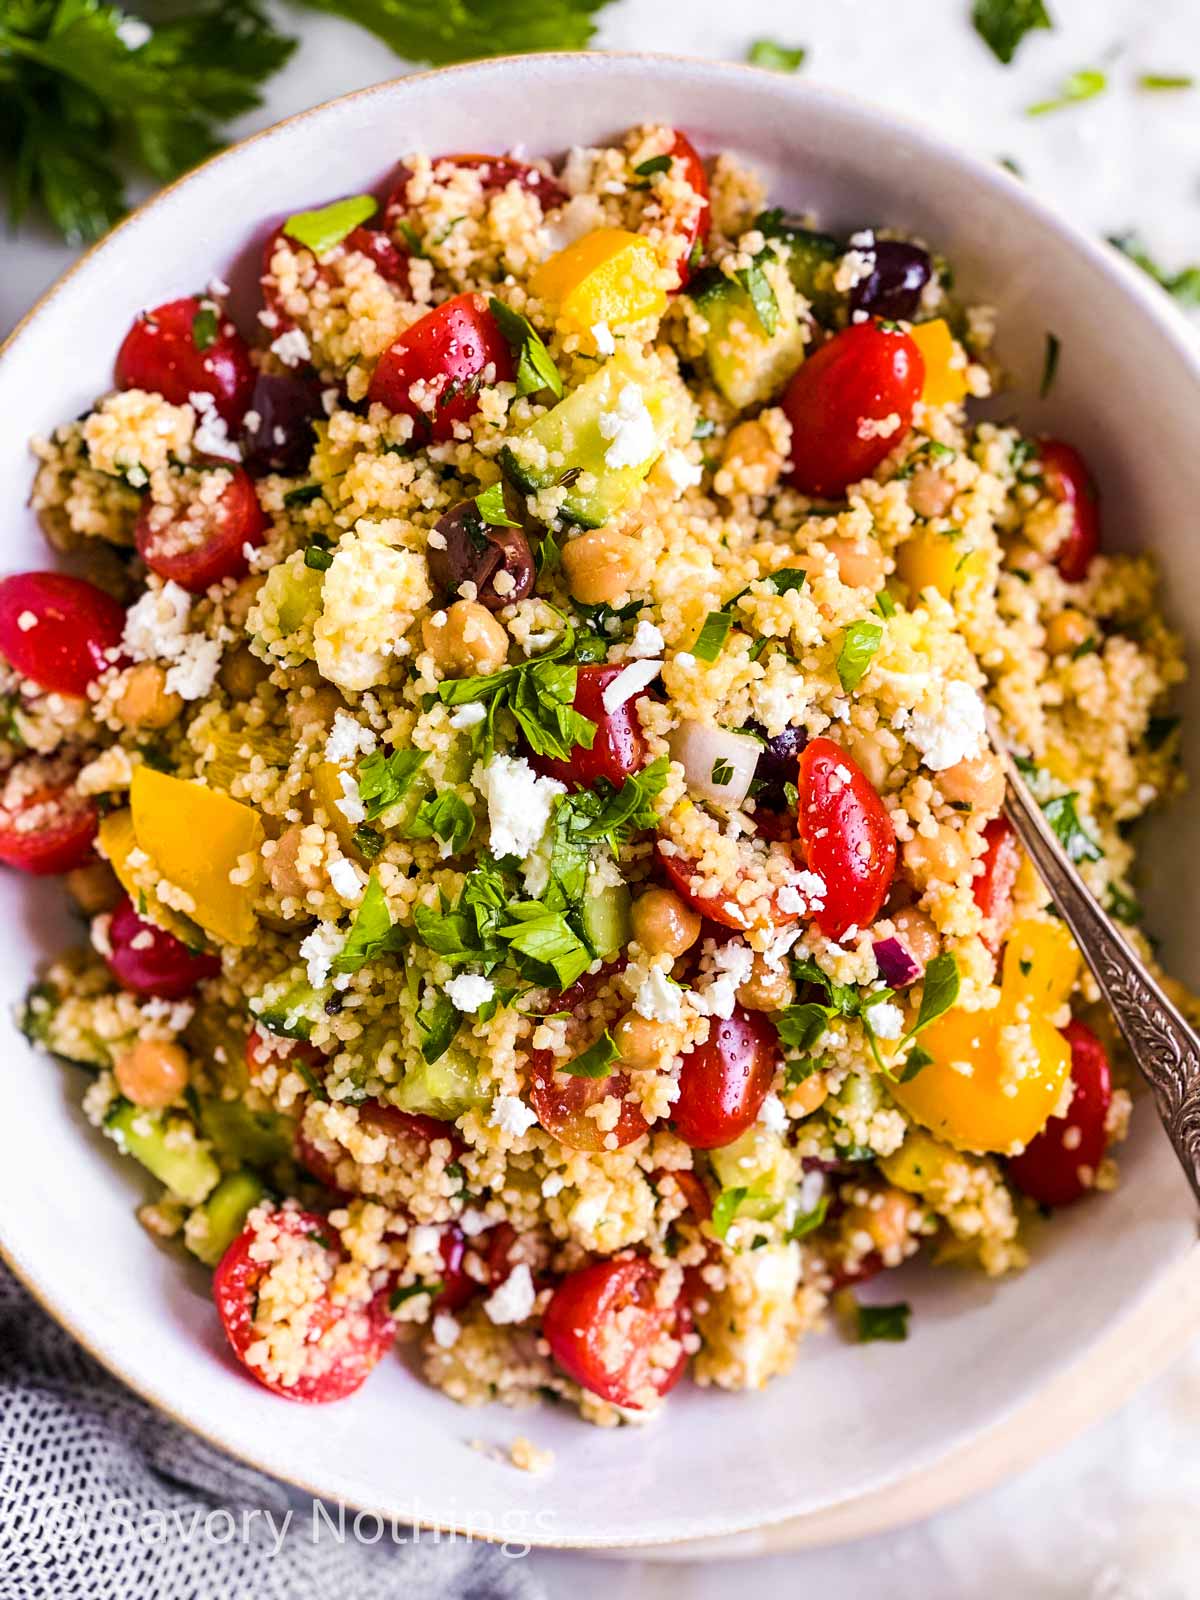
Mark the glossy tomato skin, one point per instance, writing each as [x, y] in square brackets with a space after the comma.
[861, 378]
[160, 353]
[345, 1341]
[602, 1324]
[1069, 479]
[148, 960]
[847, 836]
[453, 350]
[495, 173]
[993, 885]
[561, 1102]
[724, 910]
[75, 625]
[46, 826]
[724, 1081]
[696, 234]
[233, 521]
[619, 747]
[1055, 1168]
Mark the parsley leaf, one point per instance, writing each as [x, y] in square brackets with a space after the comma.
[1002, 24]
[762, 297]
[883, 1322]
[204, 325]
[725, 1209]
[371, 933]
[655, 164]
[1166, 80]
[384, 779]
[437, 1024]
[550, 952]
[1183, 286]
[1085, 84]
[859, 645]
[535, 370]
[710, 641]
[1063, 816]
[460, 30]
[446, 817]
[1050, 364]
[318, 557]
[398, 1296]
[539, 695]
[324, 229]
[778, 57]
[490, 505]
[808, 1221]
[596, 1061]
[941, 991]
[916, 1061]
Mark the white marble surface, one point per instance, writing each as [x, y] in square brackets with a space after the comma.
[1114, 1515]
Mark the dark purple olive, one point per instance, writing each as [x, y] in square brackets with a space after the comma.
[894, 287]
[463, 548]
[777, 768]
[277, 431]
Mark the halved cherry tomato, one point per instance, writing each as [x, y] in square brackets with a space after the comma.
[390, 260]
[458, 1287]
[262, 1048]
[993, 886]
[205, 542]
[410, 1134]
[46, 825]
[605, 1328]
[1059, 1165]
[1070, 481]
[342, 1342]
[148, 960]
[452, 351]
[847, 836]
[850, 404]
[724, 1081]
[56, 630]
[619, 746]
[169, 352]
[562, 1102]
[691, 1187]
[697, 230]
[724, 910]
[495, 173]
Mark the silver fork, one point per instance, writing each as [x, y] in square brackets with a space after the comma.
[1165, 1048]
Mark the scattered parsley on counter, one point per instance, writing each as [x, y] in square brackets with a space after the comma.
[1183, 286]
[883, 1322]
[778, 57]
[1002, 24]
[1077, 87]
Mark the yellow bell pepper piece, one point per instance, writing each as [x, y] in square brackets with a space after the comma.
[196, 838]
[118, 842]
[1041, 966]
[932, 560]
[327, 792]
[608, 276]
[945, 364]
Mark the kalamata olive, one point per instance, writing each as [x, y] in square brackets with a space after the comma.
[277, 431]
[894, 287]
[463, 548]
[777, 767]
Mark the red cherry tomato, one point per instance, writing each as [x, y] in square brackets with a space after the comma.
[697, 231]
[166, 352]
[724, 910]
[619, 746]
[1059, 1165]
[452, 351]
[149, 960]
[457, 1286]
[606, 1330]
[263, 1048]
[1069, 479]
[847, 836]
[391, 262]
[46, 825]
[342, 1341]
[724, 1081]
[993, 886]
[203, 543]
[865, 379]
[495, 173]
[562, 1102]
[691, 1187]
[409, 1133]
[56, 630]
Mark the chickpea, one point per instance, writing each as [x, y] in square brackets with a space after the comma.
[467, 642]
[977, 783]
[313, 711]
[639, 1040]
[94, 888]
[930, 492]
[241, 673]
[237, 606]
[1067, 631]
[884, 1219]
[767, 988]
[663, 924]
[808, 1096]
[751, 459]
[942, 859]
[861, 562]
[286, 875]
[603, 565]
[918, 934]
[151, 1073]
[145, 701]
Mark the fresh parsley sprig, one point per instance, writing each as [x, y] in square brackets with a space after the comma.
[1002, 24]
[538, 695]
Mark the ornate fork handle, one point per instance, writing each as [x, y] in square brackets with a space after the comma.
[1164, 1047]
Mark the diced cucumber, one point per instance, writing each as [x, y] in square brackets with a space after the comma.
[260, 1139]
[42, 1022]
[606, 920]
[166, 1144]
[567, 442]
[811, 260]
[748, 364]
[288, 605]
[760, 1162]
[444, 1088]
[213, 1227]
[289, 1008]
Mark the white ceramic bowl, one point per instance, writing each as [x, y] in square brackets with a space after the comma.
[849, 1424]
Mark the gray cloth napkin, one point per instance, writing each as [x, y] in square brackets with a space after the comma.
[103, 1498]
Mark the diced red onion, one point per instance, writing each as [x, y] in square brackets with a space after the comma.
[896, 964]
[703, 750]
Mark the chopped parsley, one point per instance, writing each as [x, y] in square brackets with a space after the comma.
[778, 57]
[652, 166]
[371, 933]
[942, 984]
[725, 1208]
[535, 370]
[1050, 364]
[1002, 24]
[384, 779]
[303, 494]
[1183, 285]
[324, 229]
[437, 1024]
[722, 772]
[884, 604]
[368, 842]
[860, 643]
[539, 697]
[916, 1061]
[809, 1221]
[712, 636]
[398, 1296]
[1085, 84]
[883, 1323]
[491, 508]
[317, 556]
[1063, 816]
[596, 1061]
[204, 326]
[762, 297]
[445, 817]
[1165, 80]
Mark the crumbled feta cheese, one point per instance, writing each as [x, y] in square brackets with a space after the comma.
[956, 731]
[886, 1019]
[553, 1184]
[513, 1300]
[630, 681]
[512, 1115]
[684, 474]
[211, 437]
[657, 998]
[156, 623]
[194, 670]
[424, 1239]
[518, 802]
[772, 1115]
[348, 738]
[602, 335]
[343, 875]
[473, 1222]
[317, 950]
[469, 991]
[292, 347]
[723, 970]
[350, 805]
[445, 1330]
[647, 641]
[630, 428]
[468, 716]
[27, 620]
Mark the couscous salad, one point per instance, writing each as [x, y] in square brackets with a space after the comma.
[519, 750]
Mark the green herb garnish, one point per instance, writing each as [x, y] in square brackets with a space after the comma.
[324, 229]
[318, 557]
[1063, 816]
[809, 1221]
[860, 643]
[1166, 80]
[445, 817]
[778, 57]
[883, 1322]
[596, 1061]
[1002, 24]
[384, 778]
[398, 1296]
[490, 505]
[725, 1209]
[371, 933]
[535, 370]
[1077, 87]
[712, 636]
[204, 326]
[1183, 285]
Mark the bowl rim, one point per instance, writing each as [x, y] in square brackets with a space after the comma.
[1169, 321]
